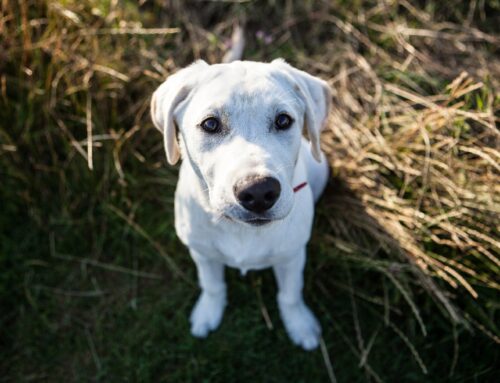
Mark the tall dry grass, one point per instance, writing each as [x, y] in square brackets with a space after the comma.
[419, 165]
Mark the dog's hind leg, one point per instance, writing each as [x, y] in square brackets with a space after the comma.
[208, 310]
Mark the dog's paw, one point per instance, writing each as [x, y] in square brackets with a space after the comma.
[301, 324]
[207, 313]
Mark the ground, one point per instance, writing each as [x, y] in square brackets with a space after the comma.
[402, 270]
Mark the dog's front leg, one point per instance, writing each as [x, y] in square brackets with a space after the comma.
[300, 323]
[207, 312]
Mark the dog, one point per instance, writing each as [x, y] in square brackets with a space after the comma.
[248, 179]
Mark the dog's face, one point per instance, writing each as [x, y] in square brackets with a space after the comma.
[240, 126]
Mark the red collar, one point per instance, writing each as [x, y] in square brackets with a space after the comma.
[299, 186]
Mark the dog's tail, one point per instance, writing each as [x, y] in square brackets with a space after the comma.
[235, 51]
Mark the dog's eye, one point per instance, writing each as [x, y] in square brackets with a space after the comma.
[210, 125]
[283, 121]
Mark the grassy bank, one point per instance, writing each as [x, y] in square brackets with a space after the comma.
[403, 266]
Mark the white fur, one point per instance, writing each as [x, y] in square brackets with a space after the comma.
[246, 97]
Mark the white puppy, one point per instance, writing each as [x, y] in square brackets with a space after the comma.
[248, 180]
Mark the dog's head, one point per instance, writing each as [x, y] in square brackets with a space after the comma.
[240, 126]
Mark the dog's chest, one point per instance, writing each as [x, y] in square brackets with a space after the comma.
[239, 247]
[250, 250]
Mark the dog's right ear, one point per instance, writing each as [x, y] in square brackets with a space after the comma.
[165, 100]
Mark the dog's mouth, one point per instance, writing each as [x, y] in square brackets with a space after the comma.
[251, 221]
[259, 221]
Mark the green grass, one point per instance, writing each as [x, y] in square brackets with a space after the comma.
[94, 284]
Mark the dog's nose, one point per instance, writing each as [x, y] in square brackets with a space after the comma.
[257, 194]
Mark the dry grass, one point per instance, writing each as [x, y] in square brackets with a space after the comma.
[424, 167]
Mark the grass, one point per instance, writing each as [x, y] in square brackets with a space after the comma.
[403, 264]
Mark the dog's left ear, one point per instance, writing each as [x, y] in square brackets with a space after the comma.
[317, 96]
[165, 100]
